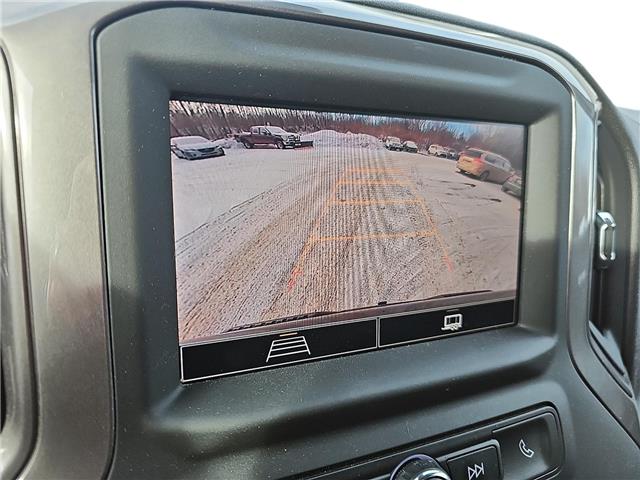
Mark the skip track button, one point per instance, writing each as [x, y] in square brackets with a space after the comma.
[482, 464]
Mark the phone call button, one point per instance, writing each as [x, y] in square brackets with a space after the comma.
[530, 448]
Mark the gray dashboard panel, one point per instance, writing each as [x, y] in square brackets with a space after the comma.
[266, 425]
[165, 429]
[18, 379]
[55, 141]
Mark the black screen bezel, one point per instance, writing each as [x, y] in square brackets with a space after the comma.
[136, 78]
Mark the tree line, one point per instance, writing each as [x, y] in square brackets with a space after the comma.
[214, 121]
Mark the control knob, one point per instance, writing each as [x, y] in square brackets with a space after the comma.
[419, 467]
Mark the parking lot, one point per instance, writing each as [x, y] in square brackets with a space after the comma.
[266, 233]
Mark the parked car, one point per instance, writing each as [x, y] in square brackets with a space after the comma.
[195, 148]
[437, 150]
[410, 146]
[513, 185]
[393, 143]
[451, 153]
[487, 166]
[269, 135]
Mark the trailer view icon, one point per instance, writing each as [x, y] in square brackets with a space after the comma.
[452, 322]
[288, 344]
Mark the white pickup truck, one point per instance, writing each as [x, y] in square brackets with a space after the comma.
[437, 150]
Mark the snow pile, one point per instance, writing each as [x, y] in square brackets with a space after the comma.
[228, 143]
[333, 139]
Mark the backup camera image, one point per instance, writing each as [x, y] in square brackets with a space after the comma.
[291, 216]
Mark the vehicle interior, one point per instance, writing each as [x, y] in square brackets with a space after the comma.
[303, 289]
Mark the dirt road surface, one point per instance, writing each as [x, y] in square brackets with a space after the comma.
[263, 234]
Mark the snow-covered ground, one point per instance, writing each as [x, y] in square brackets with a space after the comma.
[204, 203]
[333, 139]
[229, 144]
[267, 233]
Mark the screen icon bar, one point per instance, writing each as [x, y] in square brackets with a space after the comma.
[246, 354]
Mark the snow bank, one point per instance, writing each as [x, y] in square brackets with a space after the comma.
[333, 139]
[228, 143]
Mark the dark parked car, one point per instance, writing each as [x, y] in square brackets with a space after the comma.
[410, 146]
[451, 153]
[269, 135]
[393, 143]
[513, 185]
[195, 148]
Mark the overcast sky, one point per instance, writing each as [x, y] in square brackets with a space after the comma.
[604, 37]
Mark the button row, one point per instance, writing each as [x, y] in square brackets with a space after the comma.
[523, 451]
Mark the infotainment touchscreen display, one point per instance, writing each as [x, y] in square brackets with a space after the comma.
[303, 234]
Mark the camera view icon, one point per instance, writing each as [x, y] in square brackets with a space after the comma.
[289, 345]
[452, 322]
